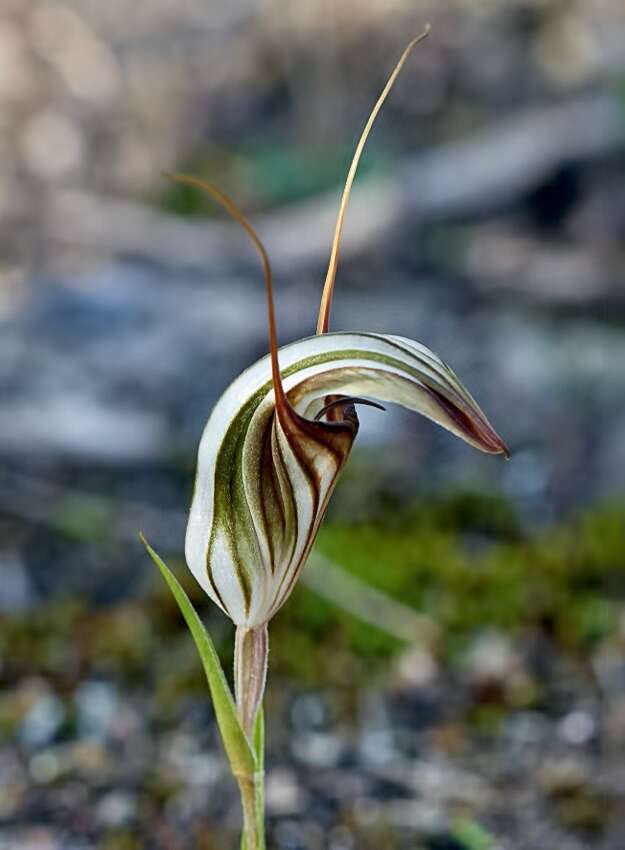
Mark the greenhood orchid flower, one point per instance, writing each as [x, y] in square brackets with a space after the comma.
[278, 438]
[274, 447]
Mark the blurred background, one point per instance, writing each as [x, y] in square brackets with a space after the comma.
[450, 674]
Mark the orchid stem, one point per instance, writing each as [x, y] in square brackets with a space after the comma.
[253, 837]
[251, 649]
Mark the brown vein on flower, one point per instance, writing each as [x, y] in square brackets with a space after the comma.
[323, 321]
[270, 492]
[286, 489]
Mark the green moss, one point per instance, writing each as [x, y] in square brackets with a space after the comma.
[43, 641]
[84, 520]
[120, 839]
[472, 836]
[568, 582]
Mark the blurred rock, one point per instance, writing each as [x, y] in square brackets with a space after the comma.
[319, 749]
[527, 730]
[309, 711]
[341, 838]
[16, 588]
[45, 766]
[283, 794]
[97, 706]
[562, 776]
[89, 760]
[13, 782]
[37, 838]
[442, 782]
[50, 130]
[115, 809]
[614, 722]
[496, 671]
[86, 64]
[577, 728]
[43, 715]
[376, 741]
[416, 667]
[415, 815]
[567, 48]
[541, 271]
[340, 786]
[608, 665]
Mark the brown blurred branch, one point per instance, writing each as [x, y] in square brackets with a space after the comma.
[489, 171]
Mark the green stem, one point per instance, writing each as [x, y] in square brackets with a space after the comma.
[250, 672]
[252, 789]
[253, 837]
[259, 756]
[251, 649]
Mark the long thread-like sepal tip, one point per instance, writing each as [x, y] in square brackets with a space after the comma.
[323, 321]
[229, 205]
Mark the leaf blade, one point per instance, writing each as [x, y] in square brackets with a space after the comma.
[238, 749]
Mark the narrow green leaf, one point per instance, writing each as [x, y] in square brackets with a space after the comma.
[238, 750]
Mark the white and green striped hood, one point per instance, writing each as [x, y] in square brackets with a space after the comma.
[263, 480]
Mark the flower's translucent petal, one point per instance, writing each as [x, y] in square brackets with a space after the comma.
[263, 481]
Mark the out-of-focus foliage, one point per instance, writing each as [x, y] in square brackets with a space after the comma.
[464, 561]
[264, 176]
[461, 559]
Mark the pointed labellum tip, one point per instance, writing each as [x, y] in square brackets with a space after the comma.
[474, 425]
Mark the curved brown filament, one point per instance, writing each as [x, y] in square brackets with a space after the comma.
[348, 399]
[328, 287]
[282, 404]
